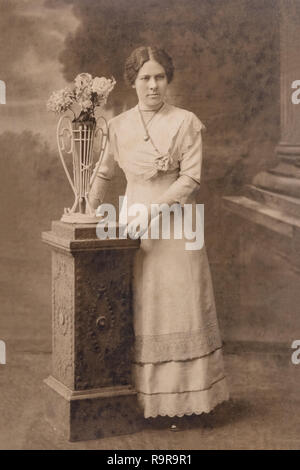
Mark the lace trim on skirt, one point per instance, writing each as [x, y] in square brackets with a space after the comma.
[184, 403]
[177, 346]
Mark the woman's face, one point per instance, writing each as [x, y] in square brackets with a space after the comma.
[151, 85]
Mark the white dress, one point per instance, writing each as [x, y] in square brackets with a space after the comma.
[178, 364]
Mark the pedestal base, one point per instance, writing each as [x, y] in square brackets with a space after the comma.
[91, 414]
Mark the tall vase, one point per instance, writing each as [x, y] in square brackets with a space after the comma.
[81, 136]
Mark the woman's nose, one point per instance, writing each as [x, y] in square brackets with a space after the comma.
[152, 83]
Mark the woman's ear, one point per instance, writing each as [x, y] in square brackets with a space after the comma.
[133, 86]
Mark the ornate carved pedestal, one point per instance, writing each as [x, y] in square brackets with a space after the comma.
[89, 393]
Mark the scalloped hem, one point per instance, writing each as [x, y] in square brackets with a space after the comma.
[184, 403]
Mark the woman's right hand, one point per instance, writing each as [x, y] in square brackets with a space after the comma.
[94, 201]
[97, 192]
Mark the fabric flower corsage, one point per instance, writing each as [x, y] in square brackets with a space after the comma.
[163, 162]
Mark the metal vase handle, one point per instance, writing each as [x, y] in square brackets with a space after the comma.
[103, 130]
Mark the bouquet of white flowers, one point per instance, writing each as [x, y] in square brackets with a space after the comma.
[86, 94]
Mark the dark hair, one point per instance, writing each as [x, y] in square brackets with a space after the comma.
[141, 55]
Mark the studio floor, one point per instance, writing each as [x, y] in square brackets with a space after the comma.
[263, 413]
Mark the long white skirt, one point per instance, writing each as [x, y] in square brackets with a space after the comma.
[178, 366]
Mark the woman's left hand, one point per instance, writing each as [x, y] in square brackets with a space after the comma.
[138, 226]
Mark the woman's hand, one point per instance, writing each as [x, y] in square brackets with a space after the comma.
[98, 191]
[94, 201]
[93, 197]
[137, 227]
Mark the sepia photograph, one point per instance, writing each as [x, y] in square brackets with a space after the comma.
[150, 226]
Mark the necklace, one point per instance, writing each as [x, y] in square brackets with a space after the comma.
[147, 136]
[163, 161]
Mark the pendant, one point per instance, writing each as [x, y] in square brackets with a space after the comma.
[146, 137]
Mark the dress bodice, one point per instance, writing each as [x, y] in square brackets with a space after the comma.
[176, 134]
[173, 130]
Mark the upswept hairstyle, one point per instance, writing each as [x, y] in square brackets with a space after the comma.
[141, 55]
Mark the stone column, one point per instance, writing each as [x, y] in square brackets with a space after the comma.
[285, 177]
[89, 393]
[273, 198]
[266, 219]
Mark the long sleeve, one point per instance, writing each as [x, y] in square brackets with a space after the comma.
[188, 182]
[106, 170]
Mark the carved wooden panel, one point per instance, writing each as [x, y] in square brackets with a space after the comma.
[103, 319]
[63, 317]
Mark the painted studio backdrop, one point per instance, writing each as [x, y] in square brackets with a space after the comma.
[227, 56]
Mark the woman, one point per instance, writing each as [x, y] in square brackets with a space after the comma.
[178, 366]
